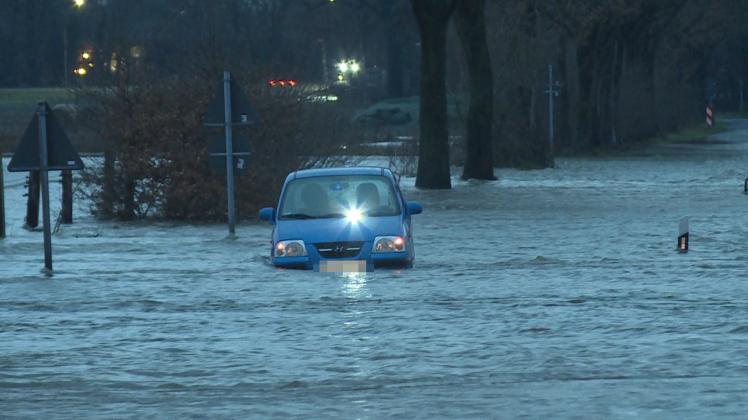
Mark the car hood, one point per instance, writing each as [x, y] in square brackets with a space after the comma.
[338, 230]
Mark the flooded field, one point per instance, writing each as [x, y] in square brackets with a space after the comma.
[554, 293]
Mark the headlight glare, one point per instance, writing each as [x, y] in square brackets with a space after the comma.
[290, 249]
[389, 244]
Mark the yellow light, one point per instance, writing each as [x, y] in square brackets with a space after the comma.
[343, 66]
[354, 66]
[79, 3]
[81, 71]
[340, 77]
[86, 55]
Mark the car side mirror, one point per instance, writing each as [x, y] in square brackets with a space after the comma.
[414, 207]
[268, 214]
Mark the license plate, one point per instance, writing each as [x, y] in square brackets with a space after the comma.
[346, 266]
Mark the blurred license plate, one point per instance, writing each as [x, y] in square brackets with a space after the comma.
[347, 266]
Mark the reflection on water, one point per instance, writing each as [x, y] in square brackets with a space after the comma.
[354, 285]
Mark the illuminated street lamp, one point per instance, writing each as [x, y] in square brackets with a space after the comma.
[77, 4]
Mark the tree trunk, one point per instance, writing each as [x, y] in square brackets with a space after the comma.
[471, 28]
[433, 156]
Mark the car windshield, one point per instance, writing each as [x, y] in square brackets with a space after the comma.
[335, 196]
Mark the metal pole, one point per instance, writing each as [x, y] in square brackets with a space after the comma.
[229, 151]
[2, 199]
[44, 181]
[551, 92]
[65, 51]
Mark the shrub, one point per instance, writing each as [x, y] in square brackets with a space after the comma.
[156, 161]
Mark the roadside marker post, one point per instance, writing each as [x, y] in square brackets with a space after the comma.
[710, 115]
[229, 107]
[44, 147]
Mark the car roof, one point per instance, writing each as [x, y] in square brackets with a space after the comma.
[359, 170]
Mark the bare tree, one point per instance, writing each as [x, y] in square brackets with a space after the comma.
[471, 28]
[433, 156]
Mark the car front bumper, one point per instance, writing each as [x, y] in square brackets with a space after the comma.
[373, 260]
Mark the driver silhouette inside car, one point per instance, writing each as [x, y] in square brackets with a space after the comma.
[367, 197]
[314, 200]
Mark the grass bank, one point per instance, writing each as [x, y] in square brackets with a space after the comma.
[17, 106]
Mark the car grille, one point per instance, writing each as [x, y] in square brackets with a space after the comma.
[339, 249]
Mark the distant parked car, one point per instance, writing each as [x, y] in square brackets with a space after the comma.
[341, 219]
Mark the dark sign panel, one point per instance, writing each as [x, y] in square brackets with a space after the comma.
[60, 152]
[241, 110]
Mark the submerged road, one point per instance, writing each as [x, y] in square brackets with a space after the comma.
[554, 293]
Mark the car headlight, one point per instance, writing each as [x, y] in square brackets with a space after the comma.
[290, 249]
[389, 244]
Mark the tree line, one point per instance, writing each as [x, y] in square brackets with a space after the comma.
[626, 70]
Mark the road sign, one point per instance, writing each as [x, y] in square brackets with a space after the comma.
[241, 110]
[217, 155]
[44, 147]
[60, 153]
[230, 107]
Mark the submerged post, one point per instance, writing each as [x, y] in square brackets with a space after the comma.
[229, 151]
[44, 181]
[32, 204]
[67, 196]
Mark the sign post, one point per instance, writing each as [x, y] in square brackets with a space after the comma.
[552, 92]
[44, 180]
[229, 151]
[45, 147]
[229, 107]
[2, 199]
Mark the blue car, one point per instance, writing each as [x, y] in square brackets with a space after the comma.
[341, 219]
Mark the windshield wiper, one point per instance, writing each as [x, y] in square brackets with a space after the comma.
[331, 216]
[300, 216]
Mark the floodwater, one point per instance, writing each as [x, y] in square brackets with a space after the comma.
[554, 293]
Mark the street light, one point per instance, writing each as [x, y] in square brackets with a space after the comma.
[347, 67]
[77, 4]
